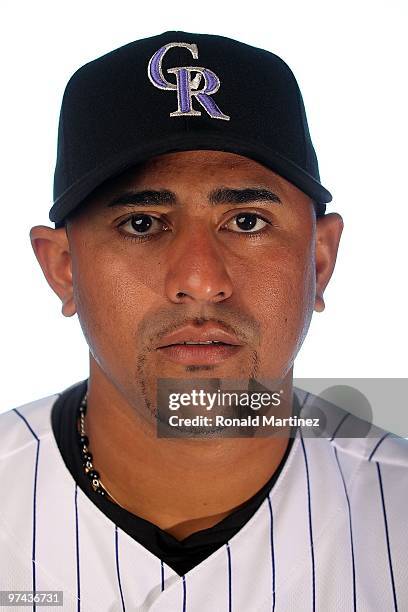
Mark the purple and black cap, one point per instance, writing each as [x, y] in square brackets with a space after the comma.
[177, 92]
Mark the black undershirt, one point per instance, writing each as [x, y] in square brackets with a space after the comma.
[180, 555]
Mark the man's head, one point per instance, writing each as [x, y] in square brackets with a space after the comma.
[200, 223]
[192, 241]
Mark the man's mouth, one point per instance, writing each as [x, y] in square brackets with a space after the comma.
[198, 353]
[204, 342]
[207, 344]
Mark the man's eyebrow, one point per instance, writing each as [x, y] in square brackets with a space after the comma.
[144, 198]
[225, 195]
[222, 195]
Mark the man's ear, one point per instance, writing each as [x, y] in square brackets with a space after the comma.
[328, 232]
[51, 247]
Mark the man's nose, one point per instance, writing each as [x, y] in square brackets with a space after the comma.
[196, 271]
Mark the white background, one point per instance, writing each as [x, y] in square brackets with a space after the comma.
[350, 59]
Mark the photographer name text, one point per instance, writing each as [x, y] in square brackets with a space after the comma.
[249, 421]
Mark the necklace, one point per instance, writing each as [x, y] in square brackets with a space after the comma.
[83, 441]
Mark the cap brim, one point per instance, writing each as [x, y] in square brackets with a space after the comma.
[77, 192]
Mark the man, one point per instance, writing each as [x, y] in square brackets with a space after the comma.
[191, 239]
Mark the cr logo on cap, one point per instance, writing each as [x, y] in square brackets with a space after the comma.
[186, 86]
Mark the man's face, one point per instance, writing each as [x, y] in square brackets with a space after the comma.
[199, 240]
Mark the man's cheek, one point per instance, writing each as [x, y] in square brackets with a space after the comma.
[284, 307]
[279, 289]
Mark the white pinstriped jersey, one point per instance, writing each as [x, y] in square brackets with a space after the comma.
[332, 535]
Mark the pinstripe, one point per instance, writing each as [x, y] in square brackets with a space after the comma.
[77, 548]
[272, 554]
[351, 531]
[338, 427]
[162, 575]
[184, 594]
[377, 445]
[387, 537]
[229, 578]
[310, 522]
[303, 404]
[117, 566]
[34, 497]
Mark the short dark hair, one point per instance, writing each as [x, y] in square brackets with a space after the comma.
[320, 209]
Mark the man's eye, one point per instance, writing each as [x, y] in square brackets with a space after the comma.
[142, 225]
[247, 223]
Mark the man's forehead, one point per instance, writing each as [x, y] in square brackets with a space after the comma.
[199, 156]
[210, 164]
[211, 171]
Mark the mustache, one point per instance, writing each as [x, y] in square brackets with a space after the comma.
[158, 323]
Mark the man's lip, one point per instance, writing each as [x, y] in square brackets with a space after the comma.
[199, 354]
[204, 333]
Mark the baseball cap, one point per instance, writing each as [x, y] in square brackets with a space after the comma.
[180, 91]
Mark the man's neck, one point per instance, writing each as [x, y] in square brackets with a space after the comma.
[180, 485]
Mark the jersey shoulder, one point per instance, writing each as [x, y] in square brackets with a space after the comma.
[24, 425]
[353, 436]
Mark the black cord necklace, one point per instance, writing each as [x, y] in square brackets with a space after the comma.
[83, 442]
